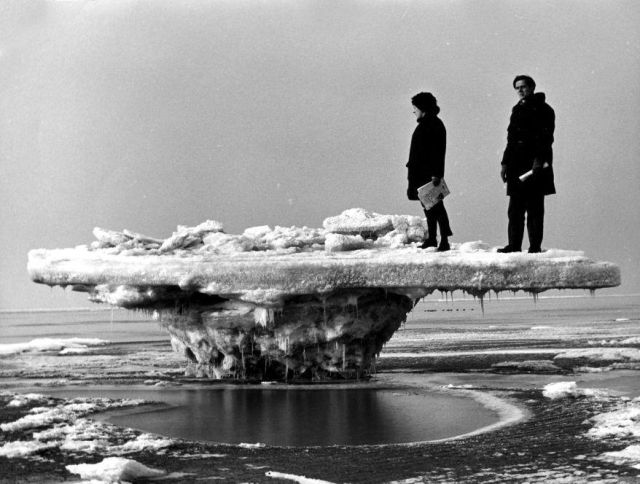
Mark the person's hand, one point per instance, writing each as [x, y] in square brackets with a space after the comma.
[435, 180]
[412, 193]
[537, 166]
[503, 173]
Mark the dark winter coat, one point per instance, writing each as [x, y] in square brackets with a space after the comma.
[426, 155]
[529, 140]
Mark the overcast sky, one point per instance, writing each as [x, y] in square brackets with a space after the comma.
[149, 114]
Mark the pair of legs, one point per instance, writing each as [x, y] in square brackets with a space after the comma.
[533, 207]
[437, 217]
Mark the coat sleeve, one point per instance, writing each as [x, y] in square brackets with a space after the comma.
[438, 150]
[546, 127]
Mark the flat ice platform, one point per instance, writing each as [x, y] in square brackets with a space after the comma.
[267, 276]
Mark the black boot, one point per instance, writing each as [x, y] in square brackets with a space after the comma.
[444, 245]
[508, 249]
[429, 243]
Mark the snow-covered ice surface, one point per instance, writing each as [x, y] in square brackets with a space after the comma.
[355, 249]
[569, 419]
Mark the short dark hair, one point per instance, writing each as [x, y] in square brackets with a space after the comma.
[425, 101]
[528, 79]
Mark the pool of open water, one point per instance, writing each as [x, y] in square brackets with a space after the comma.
[286, 416]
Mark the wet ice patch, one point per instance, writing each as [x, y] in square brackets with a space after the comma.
[115, 470]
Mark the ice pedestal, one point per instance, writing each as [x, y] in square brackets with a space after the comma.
[289, 303]
[309, 337]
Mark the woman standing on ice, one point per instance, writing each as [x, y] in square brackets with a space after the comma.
[426, 164]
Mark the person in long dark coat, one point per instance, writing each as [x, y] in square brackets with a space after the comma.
[529, 140]
[426, 164]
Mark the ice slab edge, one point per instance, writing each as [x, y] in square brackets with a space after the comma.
[269, 280]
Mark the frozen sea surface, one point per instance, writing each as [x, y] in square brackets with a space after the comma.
[582, 428]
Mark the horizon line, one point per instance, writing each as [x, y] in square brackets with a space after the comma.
[450, 299]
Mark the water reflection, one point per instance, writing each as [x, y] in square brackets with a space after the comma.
[299, 417]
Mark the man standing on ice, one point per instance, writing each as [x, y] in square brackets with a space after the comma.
[426, 164]
[527, 165]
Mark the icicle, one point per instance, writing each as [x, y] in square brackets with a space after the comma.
[344, 356]
[592, 292]
[324, 310]
[481, 297]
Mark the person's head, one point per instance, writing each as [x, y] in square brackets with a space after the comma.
[424, 103]
[524, 86]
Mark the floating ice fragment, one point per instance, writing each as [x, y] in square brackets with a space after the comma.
[114, 470]
[22, 448]
[568, 389]
[49, 344]
[293, 477]
[621, 423]
[22, 400]
[629, 456]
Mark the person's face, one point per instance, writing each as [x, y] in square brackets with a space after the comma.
[523, 89]
[419, 114]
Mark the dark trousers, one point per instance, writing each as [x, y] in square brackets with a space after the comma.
[533, 207]
[437, 216]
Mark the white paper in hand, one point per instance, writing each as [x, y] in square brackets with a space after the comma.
[429, 194]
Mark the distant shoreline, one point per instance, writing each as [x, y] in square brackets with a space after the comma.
[462, 297]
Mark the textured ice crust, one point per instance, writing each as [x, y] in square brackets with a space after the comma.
[295, 302]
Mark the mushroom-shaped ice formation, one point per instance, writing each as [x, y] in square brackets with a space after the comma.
[296, 302]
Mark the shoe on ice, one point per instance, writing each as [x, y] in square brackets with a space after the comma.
[429, 243]
[507, 249]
